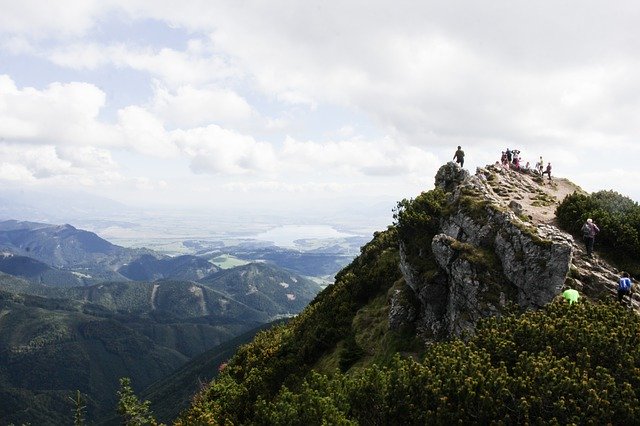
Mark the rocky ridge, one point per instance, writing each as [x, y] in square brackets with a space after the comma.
[497, 245]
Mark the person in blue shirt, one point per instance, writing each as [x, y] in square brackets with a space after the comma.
[624, 286]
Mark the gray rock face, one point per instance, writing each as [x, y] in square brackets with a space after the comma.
[450, 175]
[486, 257]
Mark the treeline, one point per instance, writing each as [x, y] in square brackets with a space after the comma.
[618, 218]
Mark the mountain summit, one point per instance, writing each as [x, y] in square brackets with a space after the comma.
[494, 245]
[497, 243]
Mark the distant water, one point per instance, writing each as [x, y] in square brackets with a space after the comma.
[285, 236]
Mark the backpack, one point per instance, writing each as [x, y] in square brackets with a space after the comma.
[624, 284]
[586, 230]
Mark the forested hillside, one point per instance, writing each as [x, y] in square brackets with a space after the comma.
[56, 340]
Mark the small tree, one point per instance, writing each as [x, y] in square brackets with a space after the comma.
[133, 412]
[79, 409]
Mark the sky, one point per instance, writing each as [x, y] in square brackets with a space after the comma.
[308, 106]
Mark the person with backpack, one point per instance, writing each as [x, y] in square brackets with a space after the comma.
[624, 286]
[548, 171]
[459, 156]
[589, 231]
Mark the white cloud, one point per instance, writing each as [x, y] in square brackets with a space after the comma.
[147, 184]
[286, 187]
[188, 106]
[197, 64]
[15, 172]
[144, 132]
[86, 157]
[549, 78]
[384, 157]
[68, 115]
[213, 149]
[62, 18]
[46, 162]
[63, 112]
[17, 45]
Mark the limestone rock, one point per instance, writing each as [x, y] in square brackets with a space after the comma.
[486, 255]
[404, 307]
[450, 175]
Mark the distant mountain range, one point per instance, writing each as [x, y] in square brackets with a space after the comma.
[64, 246]
[78, 313]
[51, 347]
[62, 255]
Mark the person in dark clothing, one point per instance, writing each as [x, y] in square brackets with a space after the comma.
[548, 171]
[459, 157]
[589, 231]
[509, 155]
[624, 286]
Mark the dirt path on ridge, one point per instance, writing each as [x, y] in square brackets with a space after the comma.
[538, 198]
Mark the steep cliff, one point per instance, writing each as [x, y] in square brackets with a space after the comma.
[496, 245]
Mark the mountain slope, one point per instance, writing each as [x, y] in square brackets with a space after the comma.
[39, 272]
[151, 268]
[66, 247]
[172, 394]
[474, 248]
[264, 287]
[49, 348]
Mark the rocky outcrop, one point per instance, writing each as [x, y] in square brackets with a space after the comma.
[450, 176]
[488, 254]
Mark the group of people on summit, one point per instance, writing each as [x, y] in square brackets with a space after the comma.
[511, 158]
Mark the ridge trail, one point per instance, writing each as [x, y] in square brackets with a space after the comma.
[538, 199]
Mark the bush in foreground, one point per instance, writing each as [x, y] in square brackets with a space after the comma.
[563, 364]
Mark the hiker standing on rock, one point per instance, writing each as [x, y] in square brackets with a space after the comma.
[548, 171]
[589, 231]
[459, 156]
[540, 166]
[624, 286]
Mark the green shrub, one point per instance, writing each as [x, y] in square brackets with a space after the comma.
[281, 357]
[566, 364]
[133, 411]
[351, 352]
[618, 218]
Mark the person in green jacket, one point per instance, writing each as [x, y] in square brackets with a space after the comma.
[571, 295]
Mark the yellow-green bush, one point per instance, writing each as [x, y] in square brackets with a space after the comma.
[564, 364]
[618, 218]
